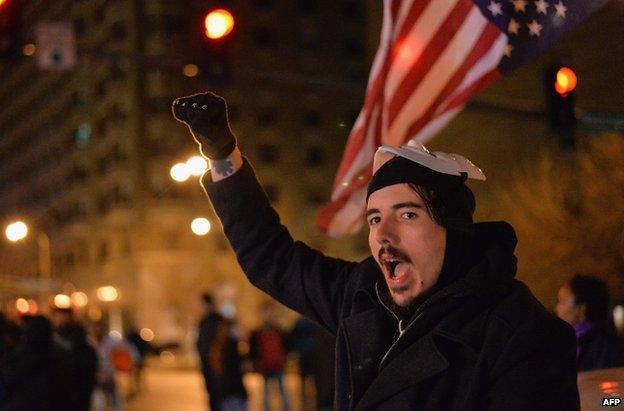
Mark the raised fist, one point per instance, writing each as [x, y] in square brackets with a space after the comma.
[206, 115]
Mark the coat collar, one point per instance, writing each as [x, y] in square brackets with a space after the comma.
[417, 362]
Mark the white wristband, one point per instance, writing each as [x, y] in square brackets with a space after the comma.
[225, 167]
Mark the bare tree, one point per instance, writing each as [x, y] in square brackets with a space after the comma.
[568, 211]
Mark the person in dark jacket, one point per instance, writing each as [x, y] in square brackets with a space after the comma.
[205, 338]
[35, 374]
[583, 302]
[434, 319]
[226, 365]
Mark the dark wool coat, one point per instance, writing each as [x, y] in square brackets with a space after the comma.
[481, 343]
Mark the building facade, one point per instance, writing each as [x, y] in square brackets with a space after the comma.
[85, 153]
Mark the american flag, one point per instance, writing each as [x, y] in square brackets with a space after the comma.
[433, 56]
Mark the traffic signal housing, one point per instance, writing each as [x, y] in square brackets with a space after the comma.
[560, 83]
[10, 15]
[212, 33]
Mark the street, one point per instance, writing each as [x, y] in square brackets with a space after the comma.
[183, 390]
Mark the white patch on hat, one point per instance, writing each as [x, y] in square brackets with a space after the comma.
[453, 164]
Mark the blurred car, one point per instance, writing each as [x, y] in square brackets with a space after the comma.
[597, 385]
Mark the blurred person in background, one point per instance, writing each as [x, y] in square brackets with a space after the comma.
[114, 355]
[267, 347]
[81, 360]
[143, 348]
[226, 365]
[34, 374]
[302, 340]
[583, 302]
[10, 337]
[207, 330]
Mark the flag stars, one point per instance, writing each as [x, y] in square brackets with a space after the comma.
[514, 27]
[541, 6]
[535, 28]
[495, 8]
[519, 5]
[561, 9]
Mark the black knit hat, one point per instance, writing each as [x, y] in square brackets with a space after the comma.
[449, 201]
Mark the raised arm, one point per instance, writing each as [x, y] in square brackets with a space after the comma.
[300, 277]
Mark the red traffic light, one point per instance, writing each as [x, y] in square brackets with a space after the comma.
[565, 81]
[218, 24]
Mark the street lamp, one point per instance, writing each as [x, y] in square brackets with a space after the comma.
[18, 231]
[194, 166]
[109, 295]
[200, 226]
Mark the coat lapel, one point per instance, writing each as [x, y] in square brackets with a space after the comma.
[417, 362]
[369, 333]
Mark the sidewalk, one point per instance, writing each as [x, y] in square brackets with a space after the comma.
[183, 390]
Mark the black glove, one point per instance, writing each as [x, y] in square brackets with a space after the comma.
[206, 115]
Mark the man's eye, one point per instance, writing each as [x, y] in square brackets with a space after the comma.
[409, 215]
[373, 220]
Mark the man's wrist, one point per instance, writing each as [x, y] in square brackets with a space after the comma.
[225, 167]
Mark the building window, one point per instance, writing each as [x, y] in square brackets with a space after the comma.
[351, 10]
[100, 89]
[267, 153]
[308, 6]
[353, 48]
[262, 37]
[172, 240]
[103, 252]
[266, 116]
[312, 118]
[316, 198]
[82, 136]
[118, 31]
[79, 26]
[264, 5]
[103, 204]
[272, 192]
[315, 156]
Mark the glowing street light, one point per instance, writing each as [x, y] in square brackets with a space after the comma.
[62, 301]
[146, 334]
[79, 299]
[180, 172]
[197, 165]
[200, 226]
[218, 23]
[107, 293]
[22, 306]
[16, 231]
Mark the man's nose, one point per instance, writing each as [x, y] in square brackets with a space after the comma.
[386, 233]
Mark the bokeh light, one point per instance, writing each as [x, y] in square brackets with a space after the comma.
[16, 231]
[200, 226]
[29, 49]
[219, 23]
[197, 165]
[79, 299]
[146, 334]
[180, 172]
[62, 301]
[22, 305]
[107, 293]
[190, 70]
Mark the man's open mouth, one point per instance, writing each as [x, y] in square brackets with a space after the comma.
[395, 264]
